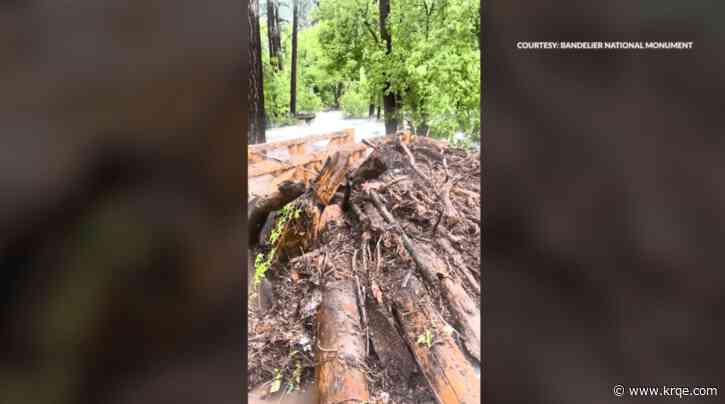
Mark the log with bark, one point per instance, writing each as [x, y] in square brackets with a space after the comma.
[258, 208]
[465, 312]
[341, 346]
[300, 232]
[451, 376]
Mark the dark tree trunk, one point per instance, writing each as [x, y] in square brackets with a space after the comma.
[338, 94]
[293, 81]
[256, 87]
[378, 110]
[477, 24]
[390, 99]
[371, 110]
[275, 42]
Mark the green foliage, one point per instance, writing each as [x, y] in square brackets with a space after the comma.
[354, 103]
[296, 379]
[434, 65]
[276, 382]
[308, 101]
[425, 339]
[262, 263]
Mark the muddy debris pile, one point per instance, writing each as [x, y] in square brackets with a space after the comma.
[369, 278]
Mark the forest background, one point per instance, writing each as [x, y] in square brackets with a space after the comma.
[413, 63]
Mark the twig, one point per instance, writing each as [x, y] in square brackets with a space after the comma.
[392, 182]
[440, 216]
[322, 266]
[377, 254]
[354, 259]
[363, 315]
[364, 256]
[367, 143]
[425, 268]
[407, 278]
[411, 160]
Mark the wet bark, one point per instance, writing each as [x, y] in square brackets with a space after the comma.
[300, 233]
[259, 208]
[341, 346]
[451, 376]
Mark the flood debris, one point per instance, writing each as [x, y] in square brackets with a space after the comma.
[376, 279]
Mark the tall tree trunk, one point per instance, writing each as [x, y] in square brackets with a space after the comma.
[256, 84]
[371, 110]
[378, 110]
[338, 94]
[273, 34]
[477, 24]
[293, 81]
[390, 99]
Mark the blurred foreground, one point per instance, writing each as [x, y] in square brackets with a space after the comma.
[120, 227]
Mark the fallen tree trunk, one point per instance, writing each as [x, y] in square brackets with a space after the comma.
[300, 231]
[370, 168]
[340, 348]
[259, 208]
[390, 349]
[451, 376]
[341, 345]
[474, 283]
[465, 312]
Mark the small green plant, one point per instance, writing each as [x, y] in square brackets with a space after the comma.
[276, 382]
[262, 263]
[426, 338]
[294, 383]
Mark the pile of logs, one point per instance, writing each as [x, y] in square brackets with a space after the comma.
[402, 325]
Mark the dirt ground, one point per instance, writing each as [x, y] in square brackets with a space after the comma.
[282, 334]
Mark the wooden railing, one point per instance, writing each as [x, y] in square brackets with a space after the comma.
[301, 162]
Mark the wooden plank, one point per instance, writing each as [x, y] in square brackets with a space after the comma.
[264, 147]
[278, 168]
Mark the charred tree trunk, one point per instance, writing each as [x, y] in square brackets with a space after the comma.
[256, 86]
[390, 98]
[273, 34]
[293, 80]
